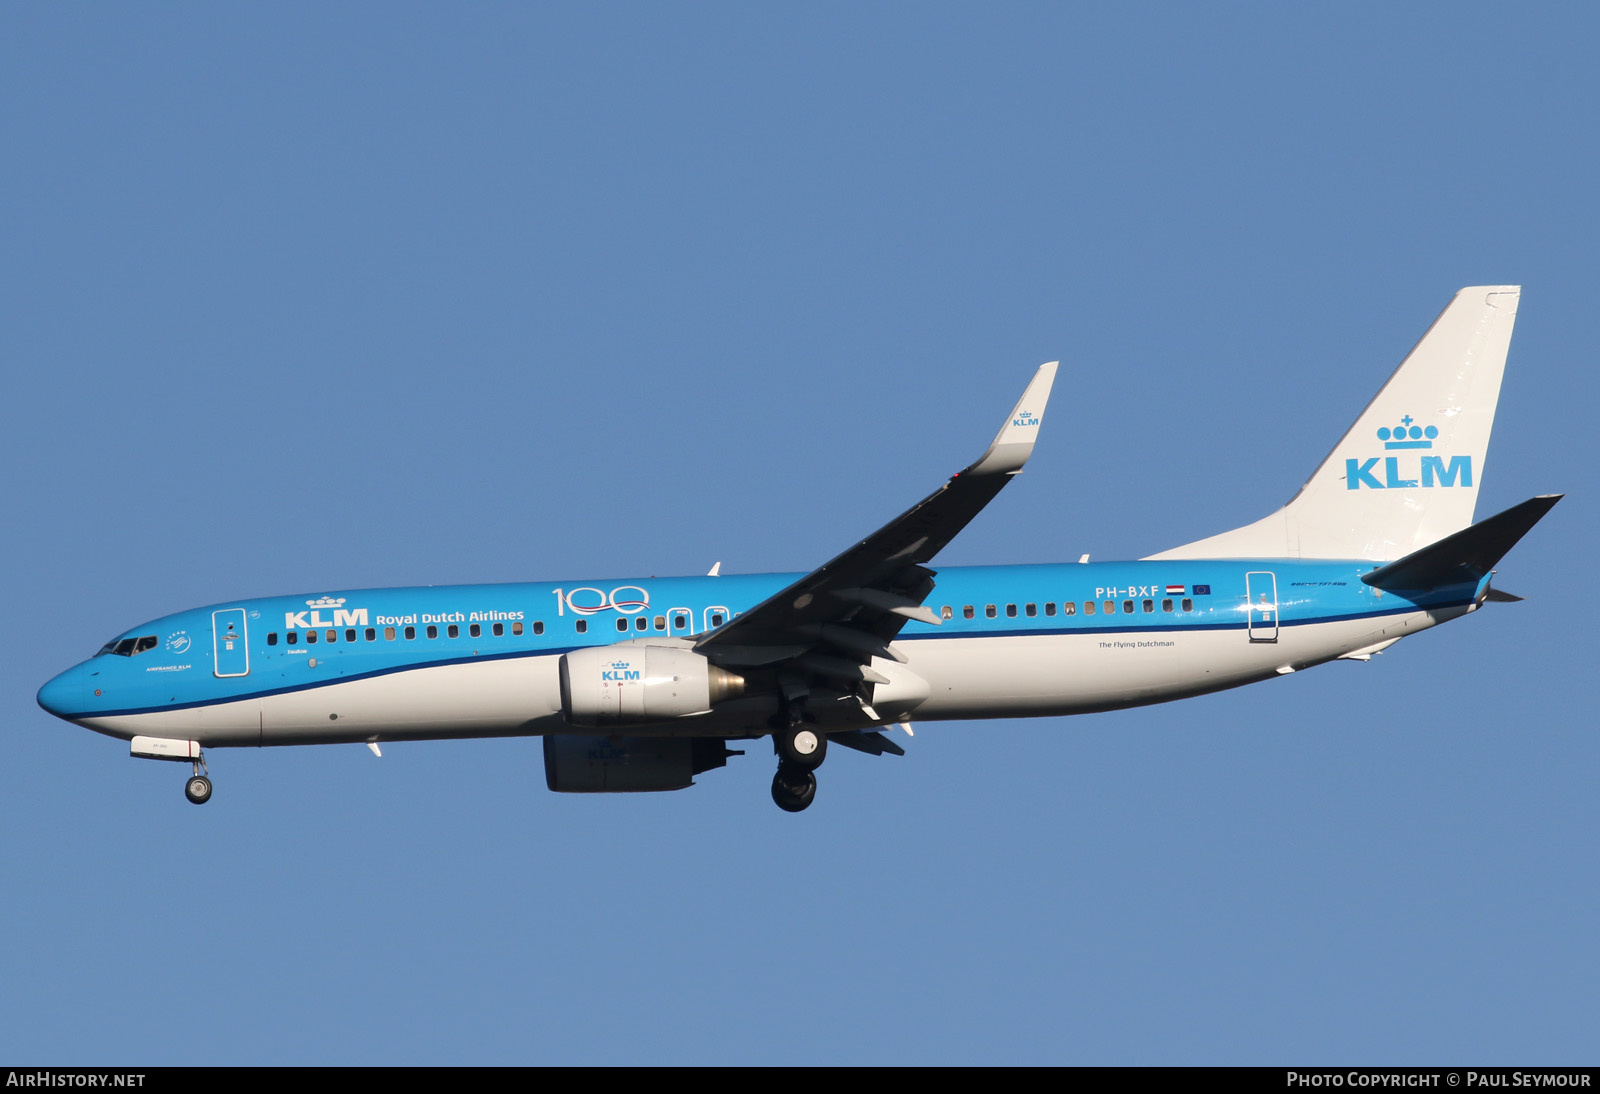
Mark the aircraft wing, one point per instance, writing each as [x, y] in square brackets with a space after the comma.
[833, 621]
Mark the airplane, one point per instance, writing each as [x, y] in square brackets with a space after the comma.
[641, 684]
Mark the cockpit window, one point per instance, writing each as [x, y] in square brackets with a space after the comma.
[127, 647]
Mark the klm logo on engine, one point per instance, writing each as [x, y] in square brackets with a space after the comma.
[312, 620]
[620, 671]
[1404, 472]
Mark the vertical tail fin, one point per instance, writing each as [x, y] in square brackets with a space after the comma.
[1407, 473]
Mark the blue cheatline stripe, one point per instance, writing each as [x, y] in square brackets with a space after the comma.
[1172, 628]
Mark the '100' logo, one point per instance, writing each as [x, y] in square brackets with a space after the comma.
[588, 601]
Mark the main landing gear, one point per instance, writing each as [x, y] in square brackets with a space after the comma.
[801, 750]
[793, 788]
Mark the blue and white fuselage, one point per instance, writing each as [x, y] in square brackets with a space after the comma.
[638, 684]
[481, 660]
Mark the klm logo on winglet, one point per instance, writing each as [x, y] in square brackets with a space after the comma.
[620, 671]
[1025, 417]
[1428, 471]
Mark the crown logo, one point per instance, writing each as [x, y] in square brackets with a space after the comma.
[1406, 435]
[621, 664]
[325, 602]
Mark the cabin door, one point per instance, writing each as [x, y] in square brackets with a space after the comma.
[230, 643]
[1261, 590]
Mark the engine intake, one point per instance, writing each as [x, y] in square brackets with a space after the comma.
[624, 684]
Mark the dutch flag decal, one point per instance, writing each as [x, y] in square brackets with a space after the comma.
[1174, 590]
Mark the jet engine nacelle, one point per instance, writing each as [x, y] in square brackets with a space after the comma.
[628, 684]
[618, 765]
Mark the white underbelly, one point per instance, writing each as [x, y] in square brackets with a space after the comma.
[1079, 673]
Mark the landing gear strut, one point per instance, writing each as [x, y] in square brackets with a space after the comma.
[801, 750]
[198, 788]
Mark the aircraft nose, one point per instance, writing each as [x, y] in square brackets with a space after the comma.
[63, 696]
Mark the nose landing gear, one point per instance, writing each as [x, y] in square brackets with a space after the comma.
[198, 788]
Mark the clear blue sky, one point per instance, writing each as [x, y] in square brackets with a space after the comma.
[302, 297]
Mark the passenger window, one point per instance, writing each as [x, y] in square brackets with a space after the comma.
[1127, 607]
[640, 622]
[583, 626]
[372, 634]
[475, 630]
[388, 634]
[499, 629]
[946, 613]
[433, 632]
[1011, 611]
[1166, 605]
[966, 612]
[661, 622]
[1188, 605]
[1030, 609]
[1110, 607]
[350, 635]
[1088, 607]
[716, 619]
[680, 622]
[411, 633]
[1149, 605]
[292, 638]
[538, 627]
[311, 638]
[454, 631]
[989, 610]
[622, 623]
[333, 636]
[272, 639]
[1069, 607]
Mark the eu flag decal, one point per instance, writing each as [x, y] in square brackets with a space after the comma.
[1202, 590]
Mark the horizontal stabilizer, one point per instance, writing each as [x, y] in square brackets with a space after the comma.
[1464, 556]
[1500, 596]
